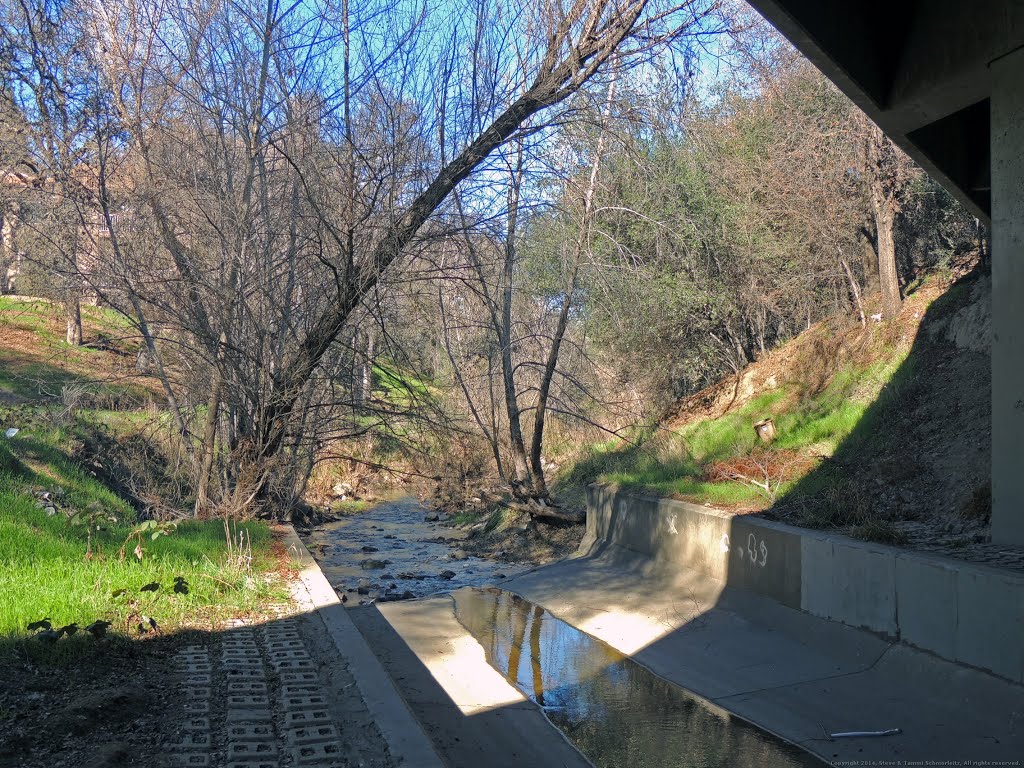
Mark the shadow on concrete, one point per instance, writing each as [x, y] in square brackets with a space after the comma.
[790, 673]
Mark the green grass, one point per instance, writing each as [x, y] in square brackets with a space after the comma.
[45, 571]
[42, 372]
[37, 314]
[349, 506]
[675, 463]
[399, 387]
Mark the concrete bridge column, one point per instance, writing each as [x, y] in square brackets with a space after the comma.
[1008, 298]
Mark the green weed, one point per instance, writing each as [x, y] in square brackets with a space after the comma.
[51, 568]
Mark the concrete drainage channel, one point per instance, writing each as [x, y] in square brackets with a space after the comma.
[453, 656]
[743, 640]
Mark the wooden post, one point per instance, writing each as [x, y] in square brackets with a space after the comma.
[765, 430]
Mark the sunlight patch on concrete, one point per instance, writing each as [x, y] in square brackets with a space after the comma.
[455, 660]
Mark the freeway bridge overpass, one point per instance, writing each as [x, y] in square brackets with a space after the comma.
[945, 80]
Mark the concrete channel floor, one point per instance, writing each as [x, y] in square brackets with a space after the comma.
[472, 715]
[795, 675]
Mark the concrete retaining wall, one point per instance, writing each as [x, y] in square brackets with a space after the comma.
[957, 610]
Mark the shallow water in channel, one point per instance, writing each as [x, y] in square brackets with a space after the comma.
[390, 550]
[614, 710]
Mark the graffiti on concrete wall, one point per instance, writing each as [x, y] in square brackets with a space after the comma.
[756, 550]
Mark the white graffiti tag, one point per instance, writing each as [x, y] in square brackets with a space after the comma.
[757, 551]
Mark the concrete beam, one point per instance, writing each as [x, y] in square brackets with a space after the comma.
[1007, 307]
[919, 70]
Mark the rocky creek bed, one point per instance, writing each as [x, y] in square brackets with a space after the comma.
[392, 552]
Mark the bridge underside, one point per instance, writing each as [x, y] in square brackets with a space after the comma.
[945, 80]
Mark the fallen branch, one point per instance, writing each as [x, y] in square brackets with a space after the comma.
[536, 509]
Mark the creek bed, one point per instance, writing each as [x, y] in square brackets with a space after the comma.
[391, 552]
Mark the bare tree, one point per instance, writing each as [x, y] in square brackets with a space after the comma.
[274, 247]
[887, 170]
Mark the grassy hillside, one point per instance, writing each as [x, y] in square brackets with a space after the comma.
[869, 421]
[73, 549]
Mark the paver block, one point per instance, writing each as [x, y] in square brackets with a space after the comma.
[250, 733]
[196, 724]
[197, 678]
[256, 763]
[243, 648]
[316, 754]
[247, 687]
[311, 735]
[285, 645]
[188, 760]
[189, 742]
[236, 716]
[242, 663]
[241, 701]
[196, 708]
[197, 692]
[299, 677]
[240, 637]
[251, 750]
[304, 689]
[306, 718]
[295, 703]
[245, 674]
[230, 654]
[284, 634]
[292, 665]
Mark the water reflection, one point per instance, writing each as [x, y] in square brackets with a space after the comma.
[614, 710]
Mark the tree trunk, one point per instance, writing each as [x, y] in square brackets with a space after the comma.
[367, 384]
[73, 313]
[884, 180]
[868, 259]
[888, 275]
[521, 480]
[540, 489]
[10, 263]
[209, 444]
[856, 291]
